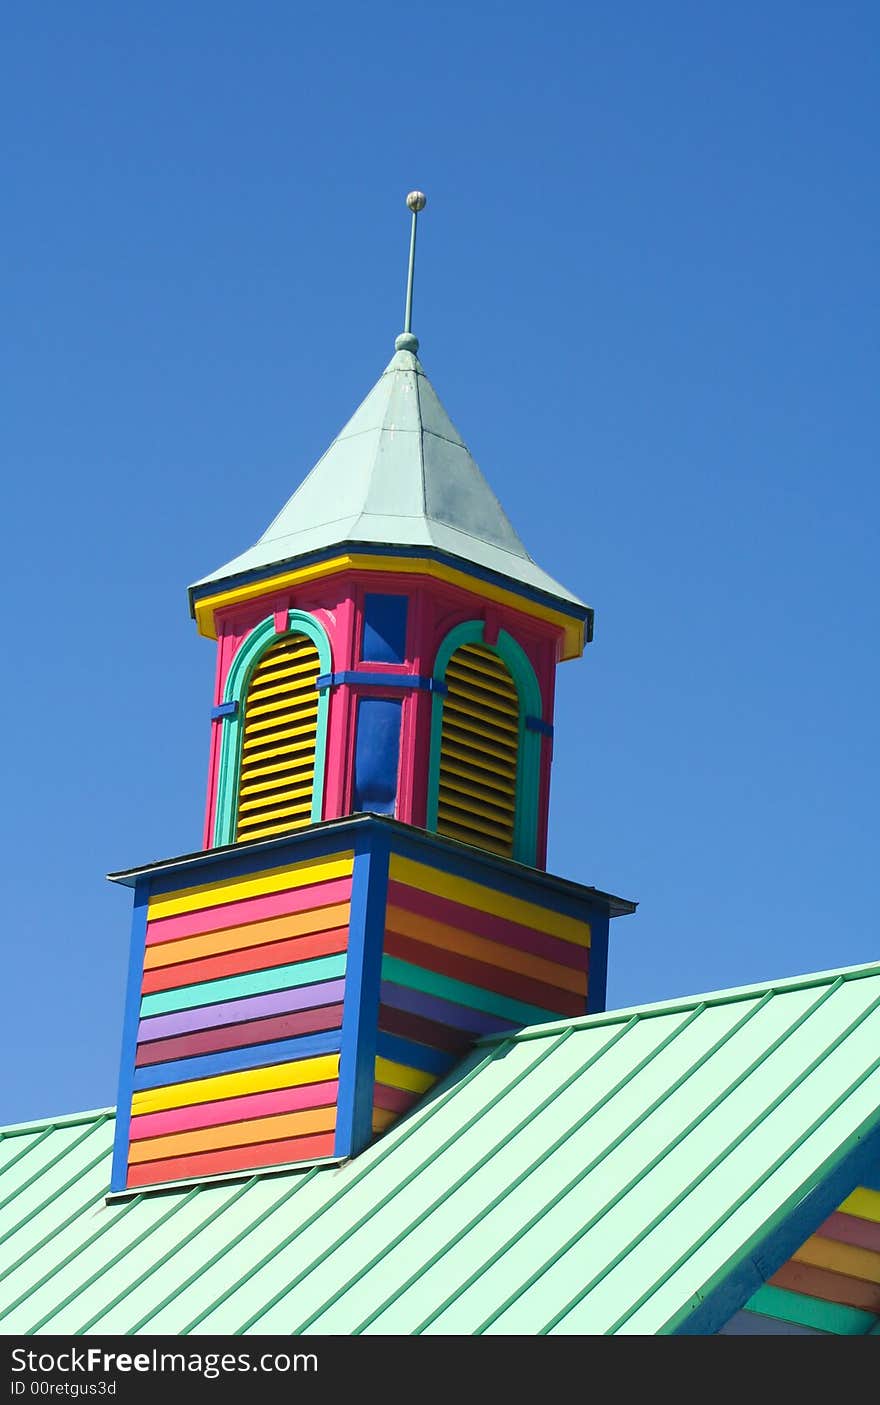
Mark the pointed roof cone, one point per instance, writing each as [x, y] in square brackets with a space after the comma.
[398, 475]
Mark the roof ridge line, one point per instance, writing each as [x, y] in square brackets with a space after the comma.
[687, 1002]
[67, 1119]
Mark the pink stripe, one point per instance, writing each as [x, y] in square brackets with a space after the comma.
[849, 1229]
[485, 924]
[393, 1099]
[190, 1119]
[234, 914]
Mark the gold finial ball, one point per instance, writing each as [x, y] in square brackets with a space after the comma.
[416, 200]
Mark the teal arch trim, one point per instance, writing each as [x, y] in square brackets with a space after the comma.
[528, 770]
[237, 682]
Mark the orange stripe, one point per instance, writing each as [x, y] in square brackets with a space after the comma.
[276, 929]
[830, 1287]
[261, 1129]
[840, 1258]
[252, 958]
[236, 1158]
[383, 1119]
[425, 929]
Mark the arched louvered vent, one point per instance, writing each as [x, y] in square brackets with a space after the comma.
[277, 777]
[479, 744]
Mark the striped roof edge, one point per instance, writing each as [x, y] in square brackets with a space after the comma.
[638, 1172]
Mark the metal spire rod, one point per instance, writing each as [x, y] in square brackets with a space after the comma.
[415, 201]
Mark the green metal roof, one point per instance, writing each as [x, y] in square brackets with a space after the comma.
[398, 475]
[600, 1175]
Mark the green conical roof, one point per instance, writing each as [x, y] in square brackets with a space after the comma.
[398, 475]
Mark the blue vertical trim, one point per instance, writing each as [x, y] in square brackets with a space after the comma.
[597, 978]
[360, 1015]
[137, 946]
[537, 724]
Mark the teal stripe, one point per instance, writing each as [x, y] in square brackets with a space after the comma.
[402, 973]
[811, 1312]
[323, 968]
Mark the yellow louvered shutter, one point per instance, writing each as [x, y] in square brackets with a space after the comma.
[277, 777]
[479, 746]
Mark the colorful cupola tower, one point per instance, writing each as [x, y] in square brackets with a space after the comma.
[371, 895]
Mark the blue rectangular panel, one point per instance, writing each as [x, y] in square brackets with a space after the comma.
[384, 638]
[377, 752]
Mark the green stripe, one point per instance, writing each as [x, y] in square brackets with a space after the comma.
[323, 968]
[810, 1312]
[402, 973]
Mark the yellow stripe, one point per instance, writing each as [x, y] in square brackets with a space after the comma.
[863, 1203]
[476, 780]
[503, 769]
[267, 831]
[572, 630]
[501, 714]
[292, 802]
[462, 890]
[275, 780]
[273, 880]
[269, 704]
[465, 801]
[235, 1085]
[840, 1258]
[289, 752]
[395, 1075]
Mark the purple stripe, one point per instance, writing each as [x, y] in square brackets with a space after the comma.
[444, 1011]
[256, 1007]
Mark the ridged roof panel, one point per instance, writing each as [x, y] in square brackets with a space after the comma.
[597, 1176]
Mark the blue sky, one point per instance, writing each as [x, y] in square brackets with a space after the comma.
[647, 294]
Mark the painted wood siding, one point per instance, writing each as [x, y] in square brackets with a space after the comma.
[461, 960]
[277, 776]
[831, 1285]
[237, 1058]
[479, 751]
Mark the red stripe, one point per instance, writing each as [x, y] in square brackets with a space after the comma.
[830, 1287]
[236, 1036]
[409, 1026]
[849, 1229]
[236, 1158]
[249, 958]
[393, 1099]
[234, 914]
[486, 924]
[479, 973]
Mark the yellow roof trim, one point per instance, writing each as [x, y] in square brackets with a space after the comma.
[572, 629]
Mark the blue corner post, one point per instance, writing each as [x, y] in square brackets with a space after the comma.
[598, 977]
[119, 1173]
[360, 1016]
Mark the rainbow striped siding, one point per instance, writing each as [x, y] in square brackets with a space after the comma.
[460, 960]
[296, 1003]
[239, 976]
[832, 1283]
